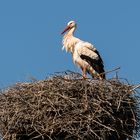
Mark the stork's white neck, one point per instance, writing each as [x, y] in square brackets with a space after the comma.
[69, 40]
[71, 31]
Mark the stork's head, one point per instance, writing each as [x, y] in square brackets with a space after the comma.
[70, 25]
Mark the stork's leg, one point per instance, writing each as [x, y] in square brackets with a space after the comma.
[99, 76]
[84, 72]
[94, 74]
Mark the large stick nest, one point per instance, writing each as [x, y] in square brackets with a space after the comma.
[66, 107]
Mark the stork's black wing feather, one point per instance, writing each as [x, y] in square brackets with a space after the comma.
[96, 64]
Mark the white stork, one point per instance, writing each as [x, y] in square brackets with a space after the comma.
[84, 53]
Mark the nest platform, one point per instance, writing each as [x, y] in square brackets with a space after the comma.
[65, 107]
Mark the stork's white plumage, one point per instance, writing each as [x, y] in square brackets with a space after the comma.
[84, 53]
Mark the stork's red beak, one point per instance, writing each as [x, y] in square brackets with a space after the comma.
[67, 28]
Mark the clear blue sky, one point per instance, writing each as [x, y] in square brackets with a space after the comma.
[30, 40]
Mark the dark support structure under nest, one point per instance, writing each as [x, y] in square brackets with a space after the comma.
[65, 107]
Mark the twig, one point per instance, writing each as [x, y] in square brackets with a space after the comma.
[103, 125]
[135, 87]
[109, 71]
